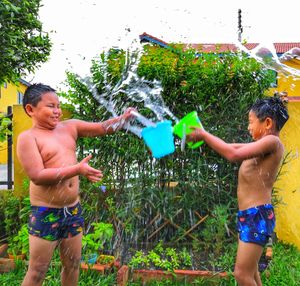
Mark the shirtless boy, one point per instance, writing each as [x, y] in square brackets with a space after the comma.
[47, 153]
[260, 162]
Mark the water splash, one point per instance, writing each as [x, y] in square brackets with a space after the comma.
[265, 53]
[137, 90]
[292, 54]
[145, 121]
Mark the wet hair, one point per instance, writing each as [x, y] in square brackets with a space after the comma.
[34, 92]
[272, 107]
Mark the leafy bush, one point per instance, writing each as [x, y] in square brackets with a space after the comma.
[14, 212]
[19, 243]
[94, 241]
[4, 130]
[23, 43]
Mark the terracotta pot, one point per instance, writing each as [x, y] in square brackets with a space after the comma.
[7, 265]
[122, 275]
[269, 253]
[3, 249]
[106, 260]
[17, 257]
[97, 267]
[117, 264]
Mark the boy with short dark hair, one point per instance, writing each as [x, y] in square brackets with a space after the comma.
[260, 162]
[47, 152]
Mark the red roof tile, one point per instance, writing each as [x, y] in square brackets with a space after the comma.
[280, 48]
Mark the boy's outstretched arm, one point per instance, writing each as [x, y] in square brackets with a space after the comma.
[236, 152]
[32, 163]
[110, 126]
[238, 145]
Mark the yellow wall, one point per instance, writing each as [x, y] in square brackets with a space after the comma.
[290, 84]
[288, 184]
[9, 97]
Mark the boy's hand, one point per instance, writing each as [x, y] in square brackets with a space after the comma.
[128, 113]
[86, 170]
[196, 135]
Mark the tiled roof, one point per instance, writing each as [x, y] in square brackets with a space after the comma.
[280, 48]
[148, 38]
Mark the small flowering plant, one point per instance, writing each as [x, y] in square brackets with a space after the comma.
[94, 242]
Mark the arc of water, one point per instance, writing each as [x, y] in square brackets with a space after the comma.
[145, 121]
[267, 56]
[136, 88]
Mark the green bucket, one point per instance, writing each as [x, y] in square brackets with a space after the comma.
[181, 129]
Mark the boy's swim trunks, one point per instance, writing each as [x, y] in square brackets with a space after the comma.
[55, 223]
[256, 224]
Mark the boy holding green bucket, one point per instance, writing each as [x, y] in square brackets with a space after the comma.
[260, 161]
[182, 128]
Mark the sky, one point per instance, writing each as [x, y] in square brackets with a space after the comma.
[81, 29]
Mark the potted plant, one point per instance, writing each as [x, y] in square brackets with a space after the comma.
[93, 243]
[18, 245]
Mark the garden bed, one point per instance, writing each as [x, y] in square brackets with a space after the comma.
[144, 275]
[170, 256]
[158, 264]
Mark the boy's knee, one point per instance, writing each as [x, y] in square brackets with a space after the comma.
[38, 272]
[72, 264]
[242, 276]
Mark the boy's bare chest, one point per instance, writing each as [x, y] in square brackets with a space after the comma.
[257, 168]
[56, 148]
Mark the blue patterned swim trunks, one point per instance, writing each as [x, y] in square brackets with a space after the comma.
[55, 223]
[256, 224]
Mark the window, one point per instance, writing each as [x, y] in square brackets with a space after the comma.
[20, 97]
[5, 84]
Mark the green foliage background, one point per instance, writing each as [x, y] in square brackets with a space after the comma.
[23, 44]
[221, 88]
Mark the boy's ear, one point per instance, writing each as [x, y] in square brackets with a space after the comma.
[29, 109]
[269, 123]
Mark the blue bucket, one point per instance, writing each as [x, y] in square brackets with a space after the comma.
[159, 138]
